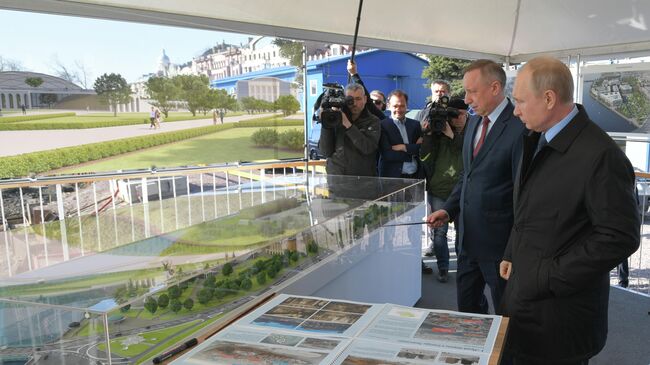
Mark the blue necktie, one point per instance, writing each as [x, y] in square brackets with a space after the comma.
[541, 143]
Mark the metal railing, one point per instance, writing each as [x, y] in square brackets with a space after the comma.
[52, 219]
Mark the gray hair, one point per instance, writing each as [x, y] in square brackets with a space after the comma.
[548, 73]
[355, 87]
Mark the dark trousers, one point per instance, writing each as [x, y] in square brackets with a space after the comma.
[471, 279]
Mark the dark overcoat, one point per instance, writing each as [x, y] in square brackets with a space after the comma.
[576, 218]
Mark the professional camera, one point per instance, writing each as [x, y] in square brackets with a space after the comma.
[334, 97]
[439, 114]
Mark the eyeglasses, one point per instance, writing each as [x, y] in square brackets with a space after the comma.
[377, 102]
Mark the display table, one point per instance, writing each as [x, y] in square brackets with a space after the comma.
[313, 330]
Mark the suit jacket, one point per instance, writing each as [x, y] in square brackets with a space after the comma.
[481, 202]
[390, 162]
[576, 218]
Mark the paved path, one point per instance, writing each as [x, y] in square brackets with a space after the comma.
[18, 142]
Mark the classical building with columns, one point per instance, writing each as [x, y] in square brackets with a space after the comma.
[14, 92]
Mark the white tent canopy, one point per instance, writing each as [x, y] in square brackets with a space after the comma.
[505, 30]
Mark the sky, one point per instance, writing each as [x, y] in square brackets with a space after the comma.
[102, 46]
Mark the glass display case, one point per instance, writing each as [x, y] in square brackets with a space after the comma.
[162, 259]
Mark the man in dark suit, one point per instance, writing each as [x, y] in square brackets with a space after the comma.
[481, 202]
[576, 218]
[400, 140]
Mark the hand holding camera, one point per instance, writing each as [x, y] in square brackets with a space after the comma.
[334, 105]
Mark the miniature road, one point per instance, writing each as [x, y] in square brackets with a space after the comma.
[18, 142]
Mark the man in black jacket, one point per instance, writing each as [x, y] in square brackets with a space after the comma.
[576, 218]
[375, 100]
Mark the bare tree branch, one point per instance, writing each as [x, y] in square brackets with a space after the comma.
[63, 71]
[83, 73]
[7, 64]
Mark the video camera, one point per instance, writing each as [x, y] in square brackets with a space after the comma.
[334, 97]
[439, 114]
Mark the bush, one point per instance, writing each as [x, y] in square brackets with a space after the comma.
[265, 137]
[24, 118]
[38, 162]
[292, 139]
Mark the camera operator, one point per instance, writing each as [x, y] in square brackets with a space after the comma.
[376, 100]
[441, 159]
[351, 145]
[439, 88]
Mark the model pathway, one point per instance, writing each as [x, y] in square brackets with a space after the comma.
[18, 142]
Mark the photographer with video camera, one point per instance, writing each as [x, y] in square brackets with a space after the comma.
[441, 159]
[350, 134]
[439, 88]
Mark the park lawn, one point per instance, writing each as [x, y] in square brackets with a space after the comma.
[134, 118]
[226, 146]
[78, 284]
[150, 339]
[176, 339]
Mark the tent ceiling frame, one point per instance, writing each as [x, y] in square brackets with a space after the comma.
[97, 11]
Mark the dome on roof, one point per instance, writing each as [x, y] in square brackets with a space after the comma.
[16, 80]
[164, 60]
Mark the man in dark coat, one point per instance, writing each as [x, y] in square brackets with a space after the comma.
[481, 201]
[576, 218]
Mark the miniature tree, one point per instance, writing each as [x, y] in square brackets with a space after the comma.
[246, 284]
[261, 277]
[163, 301]
[174, 292]
[175, 305]
[204, 296]
[227, 269]
[151, 305]
[188, 304]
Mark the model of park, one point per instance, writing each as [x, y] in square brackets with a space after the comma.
[193, 276]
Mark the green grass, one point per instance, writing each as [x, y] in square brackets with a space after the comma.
[176, 339]
[227, 146]
[151, 339]
[95, 120]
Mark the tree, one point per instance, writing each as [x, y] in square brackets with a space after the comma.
[83, 74]
[288, 104]
[261, 277]
[163, 90]
[65, 72]
[7, 64]
[125, 308]
[151, 305]
[204, 296]
[293, 51]
[446, 68]
[219, 99]
[163, 301]
[188, 304]
[193, 90]
[227, 269]
[246, 284]
[174, 292]
[48, 99]
[175, 305]
[34, 81]
[112, 90]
